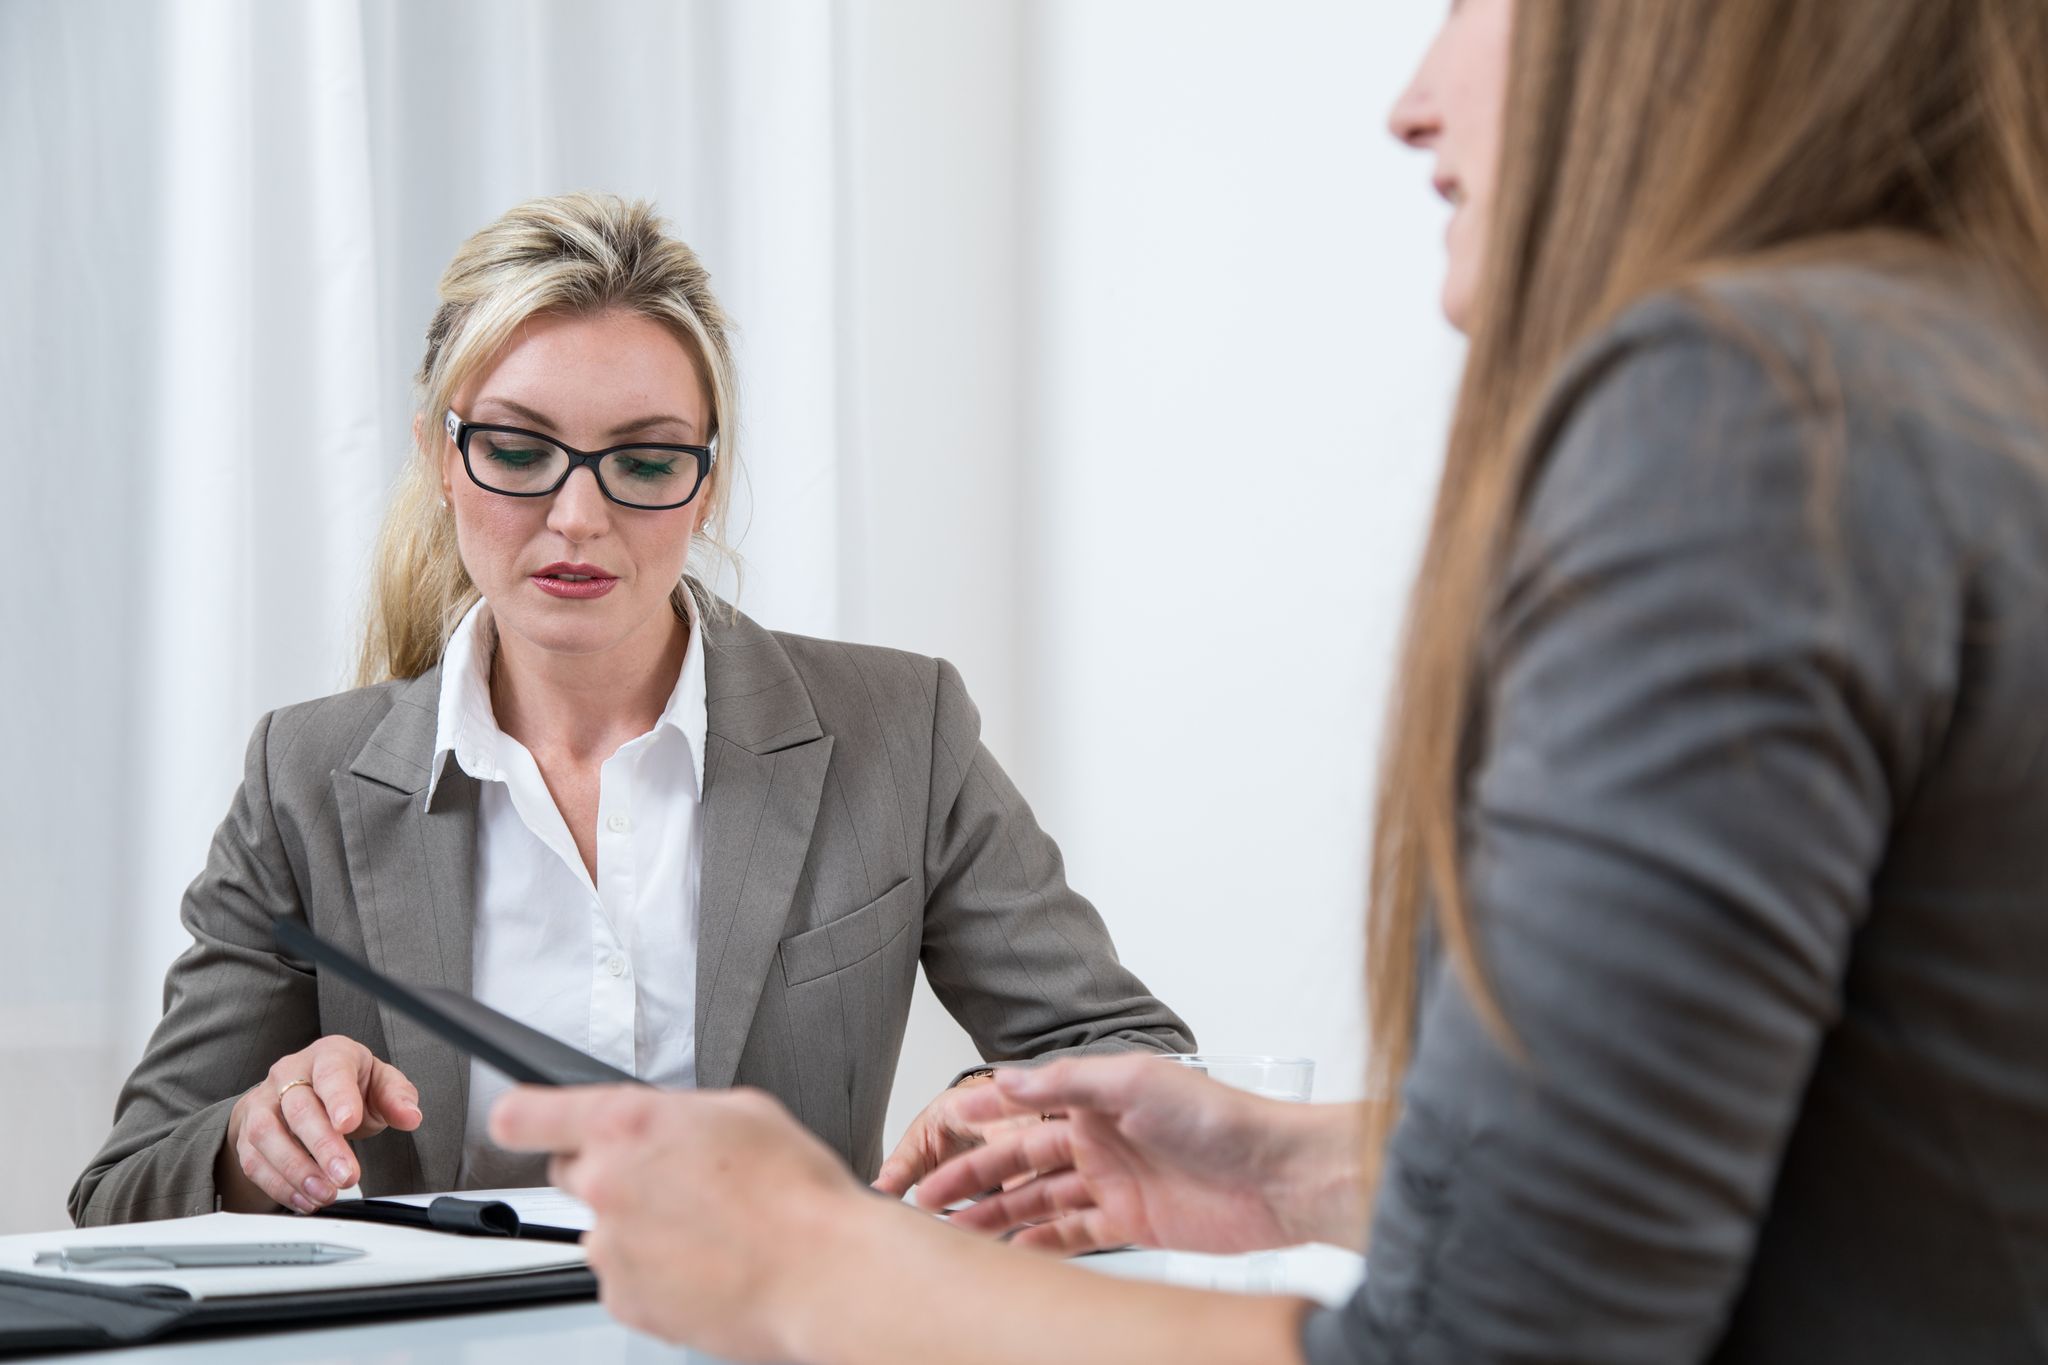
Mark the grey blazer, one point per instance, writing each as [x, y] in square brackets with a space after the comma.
[1756, 839]
[854, 827]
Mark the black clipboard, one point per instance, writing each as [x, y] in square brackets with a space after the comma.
[39, 1313]
[523, 1053]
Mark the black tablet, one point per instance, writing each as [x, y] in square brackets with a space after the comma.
[522, 1053]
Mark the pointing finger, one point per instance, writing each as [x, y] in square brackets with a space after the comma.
[335, 1081]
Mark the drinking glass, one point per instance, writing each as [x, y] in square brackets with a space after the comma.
[1276, 1078]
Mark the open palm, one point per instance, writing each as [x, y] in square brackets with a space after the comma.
[1139, 1153]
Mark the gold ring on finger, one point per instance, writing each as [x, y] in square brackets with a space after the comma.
[285, 1089]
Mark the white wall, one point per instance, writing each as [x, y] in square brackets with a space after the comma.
[1228, 399]
[1089, 343]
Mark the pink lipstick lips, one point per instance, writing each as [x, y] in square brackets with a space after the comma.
[574, 581]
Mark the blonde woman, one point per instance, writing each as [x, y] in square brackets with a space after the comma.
[1709, 949]
[583, 789]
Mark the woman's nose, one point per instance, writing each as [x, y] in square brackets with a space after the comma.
[1414, 119]
[579, 511]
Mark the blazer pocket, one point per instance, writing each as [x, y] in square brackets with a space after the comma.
[852, 938]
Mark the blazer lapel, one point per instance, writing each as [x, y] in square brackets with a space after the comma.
[413, 871]
[763, 773]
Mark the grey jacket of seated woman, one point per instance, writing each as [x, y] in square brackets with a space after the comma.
[740, 894]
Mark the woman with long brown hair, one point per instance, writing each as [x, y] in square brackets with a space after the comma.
[1709, 929]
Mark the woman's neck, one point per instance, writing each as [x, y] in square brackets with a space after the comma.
[584, 706]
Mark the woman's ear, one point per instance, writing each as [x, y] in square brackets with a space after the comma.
[419, 432]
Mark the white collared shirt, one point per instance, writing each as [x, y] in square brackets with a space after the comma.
[609, 967]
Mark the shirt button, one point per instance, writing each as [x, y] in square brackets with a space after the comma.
[619, 824]
[615, 964]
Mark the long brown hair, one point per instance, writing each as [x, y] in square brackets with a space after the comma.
[1645, 146]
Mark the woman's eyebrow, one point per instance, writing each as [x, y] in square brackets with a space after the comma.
[642, 424]
[526, 414]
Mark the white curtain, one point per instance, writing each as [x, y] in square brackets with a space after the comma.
[1087, 344]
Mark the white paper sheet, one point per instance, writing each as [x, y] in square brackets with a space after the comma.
[1323, 1273]
[394, 1255]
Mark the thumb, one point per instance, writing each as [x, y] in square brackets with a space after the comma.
[895, 1178]
[910, 1162]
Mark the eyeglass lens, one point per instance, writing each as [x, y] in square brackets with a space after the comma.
[640, 476]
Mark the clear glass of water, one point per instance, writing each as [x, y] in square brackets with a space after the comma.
[1276, 1078]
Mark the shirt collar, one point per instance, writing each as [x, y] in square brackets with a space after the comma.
[688, 711]
[466, 728]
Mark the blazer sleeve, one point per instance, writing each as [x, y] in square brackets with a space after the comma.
[1700, 705]
[232, 1007]
[1020, 958]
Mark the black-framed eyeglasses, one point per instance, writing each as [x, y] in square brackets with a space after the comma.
[525, 464]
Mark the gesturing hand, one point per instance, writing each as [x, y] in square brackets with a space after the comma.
[1153, 1154]
[287, 1138]
[705, 1202]
[936, 1136]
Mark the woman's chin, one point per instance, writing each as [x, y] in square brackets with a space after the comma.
[566, 628]
[1457, 304]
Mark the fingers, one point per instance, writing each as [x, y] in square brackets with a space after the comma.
[276, 1163]
[314, 1113]
[1037, 1147]
[289, 1135]
[1071, 1235]
[907, 1165]
[1102, 1084]
[1035, 1201]
[599, 1137]
[563, 1173]
[915, 1155]
[336, 1072]
[533, 1119]
[927, 1143]
[393, 1099]
[987, 1103]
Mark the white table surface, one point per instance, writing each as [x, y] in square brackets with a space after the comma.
[582, 1334]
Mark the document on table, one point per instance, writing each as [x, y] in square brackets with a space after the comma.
[1323, 1273]
[542, 1204]
[393, 1255]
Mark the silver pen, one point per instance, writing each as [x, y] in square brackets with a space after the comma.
[197, 1255]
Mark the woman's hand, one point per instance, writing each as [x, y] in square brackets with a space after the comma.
[935, 1137]
[1141, 1151]
[287, 1138]
[705, 1203]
